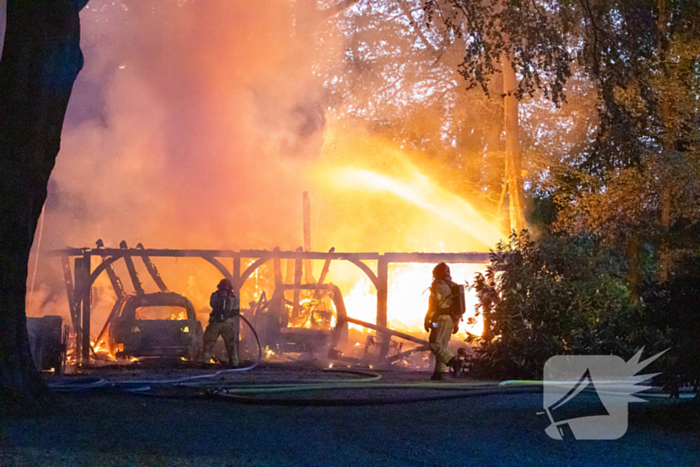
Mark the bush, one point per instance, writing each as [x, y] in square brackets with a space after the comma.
[672, 311]
[557, 296]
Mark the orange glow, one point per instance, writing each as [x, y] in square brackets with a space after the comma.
[182, 139]
[408, 298]
[425, 194]
[381, 197]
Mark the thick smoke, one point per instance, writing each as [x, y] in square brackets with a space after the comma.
[198, 124]
[192, 125]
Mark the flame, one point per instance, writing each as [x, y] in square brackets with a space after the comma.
[426, 194]
[395, 199]
[408, 297]
[368, 193]
[384, 197]
[178, 315]
[371, 196]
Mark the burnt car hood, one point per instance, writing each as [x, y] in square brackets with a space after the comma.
[159, 337]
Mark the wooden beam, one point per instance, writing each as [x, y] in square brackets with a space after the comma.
[382, 301]
[237, 283]
[132, 269]
[314, 255]
[382, 291]
[111, 273]
[385, 330]
[326, 266]
[277, 266]
[308, 267]
[296, 307]
[437, 257]
[402, 355]
[80, 283]
[152, 270]
[86, 346]
[119, 252]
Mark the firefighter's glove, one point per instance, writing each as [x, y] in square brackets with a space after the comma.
[426, 325]
[455, 328]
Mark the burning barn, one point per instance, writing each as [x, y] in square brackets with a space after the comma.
[303, 315]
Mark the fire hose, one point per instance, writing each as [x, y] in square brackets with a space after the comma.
[144, 386]
[250, 393]
[245, 393]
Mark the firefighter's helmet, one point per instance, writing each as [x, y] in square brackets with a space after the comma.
[225, 284]
[441, 271]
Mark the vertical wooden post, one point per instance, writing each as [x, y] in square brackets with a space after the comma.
[87, 269]
[382, 290]
[289, 272]
[277, 266]
[82, 305]
[308, 268]
[70, 291]
[77, 324]
[237, 278]
[382, 302]
[296, 307]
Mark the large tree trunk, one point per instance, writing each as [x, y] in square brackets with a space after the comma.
[668, 147]
[40, 62]
[634, 269]
[513, 177]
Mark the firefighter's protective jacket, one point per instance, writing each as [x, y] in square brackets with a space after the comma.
[440, 302]
[224, 305]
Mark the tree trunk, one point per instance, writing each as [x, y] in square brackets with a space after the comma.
[40, 62]
[513, 176]
[668, 146]
[665, 256]
[634, 269]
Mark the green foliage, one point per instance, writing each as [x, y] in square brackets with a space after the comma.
[568, 295]
[532, 34]
[557, 296]
[672, 322]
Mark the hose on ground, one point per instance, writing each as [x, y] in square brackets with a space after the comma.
[249, 393]
[373, 401]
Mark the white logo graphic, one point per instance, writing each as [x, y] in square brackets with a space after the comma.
[586, 396]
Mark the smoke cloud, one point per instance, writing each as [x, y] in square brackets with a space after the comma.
[198, 124]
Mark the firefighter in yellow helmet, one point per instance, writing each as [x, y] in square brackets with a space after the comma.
[442, 320]
[224, 322]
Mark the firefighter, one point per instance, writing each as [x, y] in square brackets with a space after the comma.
[441, 321]
[223, 321]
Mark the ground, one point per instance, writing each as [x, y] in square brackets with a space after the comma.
[191, 427]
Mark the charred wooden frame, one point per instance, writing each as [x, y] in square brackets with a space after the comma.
[78, 287]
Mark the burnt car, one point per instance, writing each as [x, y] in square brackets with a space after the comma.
[156, 325]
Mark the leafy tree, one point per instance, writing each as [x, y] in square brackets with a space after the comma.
[640, 56]
[557, 296]
[673, 324]
[401, 78]
[40, 61]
